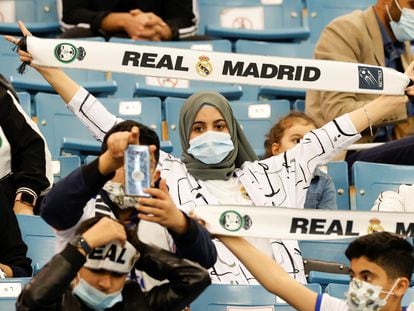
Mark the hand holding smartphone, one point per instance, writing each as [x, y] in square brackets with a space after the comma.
[137, 170]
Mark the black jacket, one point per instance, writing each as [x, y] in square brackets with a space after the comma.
[12, 248]
[49, 289]
[28, 150]
[178, 14]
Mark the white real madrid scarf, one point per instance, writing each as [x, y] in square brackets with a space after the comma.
[302, 224]
[208, 66]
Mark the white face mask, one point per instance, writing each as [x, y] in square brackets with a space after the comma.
[403, 29]
[211, 147]
[363, 296]
[116, 193]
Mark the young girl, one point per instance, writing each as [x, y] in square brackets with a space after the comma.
[286, 134]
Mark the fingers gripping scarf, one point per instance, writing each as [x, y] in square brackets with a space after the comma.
[242, 150]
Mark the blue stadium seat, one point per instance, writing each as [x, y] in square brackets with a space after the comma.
[218, 297]
[326, 250]
[25, 102]
[299, 105]
[256, 118]
[325, 261]
[32, 82]
[302, 49]
[321, 12]
[251, 19]
[10, 289]
[39, 16]
[369, 181]
[64, 165]
[39, 238]
[339, 291]
[338, 171]
[129, 85]
[64, 132]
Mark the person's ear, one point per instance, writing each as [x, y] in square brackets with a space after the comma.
[275, 149]
[401, 287]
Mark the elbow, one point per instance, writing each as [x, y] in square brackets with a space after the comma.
[211, 259]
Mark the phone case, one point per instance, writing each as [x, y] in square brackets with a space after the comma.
[137, 170]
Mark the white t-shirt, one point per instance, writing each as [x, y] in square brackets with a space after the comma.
[329, 303]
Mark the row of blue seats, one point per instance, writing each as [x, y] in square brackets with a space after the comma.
[246, 19]
[216, 297]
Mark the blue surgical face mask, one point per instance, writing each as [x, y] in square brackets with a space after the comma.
[403, 29]
[94, 298]
[211, 147]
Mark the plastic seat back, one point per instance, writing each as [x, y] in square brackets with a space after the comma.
[40, 16]
[219, 297]
[370, 179]
[39, 238]
[338, 171]
[65, 133]
[257, 117]
[64, 165]
[253, 19]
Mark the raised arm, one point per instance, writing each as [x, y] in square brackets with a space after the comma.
[272, 276]
[86, 107]
[57, 78]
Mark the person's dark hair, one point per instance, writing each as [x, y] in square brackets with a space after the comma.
[147, 136]
[390, 251]
[278, 130]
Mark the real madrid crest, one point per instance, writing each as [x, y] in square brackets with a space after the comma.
[233, 221]
[67, 52]
[203, 66]
[375, 226]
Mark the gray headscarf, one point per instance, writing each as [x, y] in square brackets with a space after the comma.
[242, 150]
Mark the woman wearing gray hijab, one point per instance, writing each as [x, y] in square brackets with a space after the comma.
[218, 165]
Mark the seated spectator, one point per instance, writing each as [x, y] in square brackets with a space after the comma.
[286, 134]
[13, 258]
[401, 200]
[136, 19]
[98, 189]
[91, 272]
[25, 165]
[379, 36]
[378, 280]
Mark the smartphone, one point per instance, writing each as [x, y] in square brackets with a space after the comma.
[137, 170]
